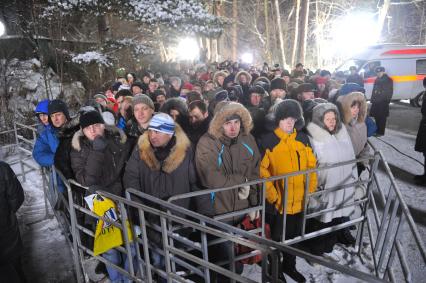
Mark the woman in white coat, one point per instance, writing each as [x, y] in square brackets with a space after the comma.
[332, 144]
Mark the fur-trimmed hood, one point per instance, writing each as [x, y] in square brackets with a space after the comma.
[219, 73]
[240, 73]
[346, 102]
[175, 103]
[110, 131]
[322, 135]
[69, 128]
[318, 115]
[224, 112]
[173, 161]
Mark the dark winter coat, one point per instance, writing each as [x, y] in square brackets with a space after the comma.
[162, 179]
[11, 198]
[195, 134]
[356, 78]
[62, 154]
[223, 162]
[421, 134]
[100, 168]
[381, 96]
[133, 132]
[258, 116]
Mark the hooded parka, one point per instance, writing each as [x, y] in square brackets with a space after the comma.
[223, 162]
[357, 129]
[332, 148]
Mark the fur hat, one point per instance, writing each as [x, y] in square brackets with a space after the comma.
[58, 105]
[257, 89]
[278, 83]
[289, 108]
[175, 103]
[90, 118]
[144, 99]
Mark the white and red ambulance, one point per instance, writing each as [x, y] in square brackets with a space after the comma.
[405, 64]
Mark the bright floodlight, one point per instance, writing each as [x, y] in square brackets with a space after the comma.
[188, 49]
[247, 58]
[354, 32]
[2, 29]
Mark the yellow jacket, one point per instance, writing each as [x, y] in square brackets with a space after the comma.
[285, 153]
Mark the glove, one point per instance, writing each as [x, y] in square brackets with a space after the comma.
[243, 192]
[254, 215]
[99, 144]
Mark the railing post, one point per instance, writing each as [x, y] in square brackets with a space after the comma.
[124, 222]
[305, 203]
[284, 205]
[75, 233]
[166, 248]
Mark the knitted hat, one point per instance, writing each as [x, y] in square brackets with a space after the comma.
[162, 123]
[187, 86]
[42, 107]
[350, 87]
[380, 69]
[100, 95]
[278, 83]
[289, 108]
[90, 118]
[144, 99]
[56, 106]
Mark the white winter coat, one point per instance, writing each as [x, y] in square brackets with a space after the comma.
[331, 149]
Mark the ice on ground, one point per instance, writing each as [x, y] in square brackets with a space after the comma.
[47, 256]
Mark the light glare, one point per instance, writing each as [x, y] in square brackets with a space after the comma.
[354, 32]
[247, 58]
[2, 28]
[188, 49]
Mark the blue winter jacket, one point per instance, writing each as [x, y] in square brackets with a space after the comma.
[45, 147]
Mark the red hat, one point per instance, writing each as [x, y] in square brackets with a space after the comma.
[187, 86]
[113, 101]
[321, 80]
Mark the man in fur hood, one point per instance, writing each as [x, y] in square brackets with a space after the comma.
[227, 155]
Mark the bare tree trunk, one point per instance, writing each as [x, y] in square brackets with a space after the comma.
[296, 33]
[234, 29]
[267, 45]
[318, 36]
[383, 11]
[304, 17]
[280, 34]
[102, 28]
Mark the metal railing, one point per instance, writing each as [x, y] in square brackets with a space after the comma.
[381, 224]
[181, 261]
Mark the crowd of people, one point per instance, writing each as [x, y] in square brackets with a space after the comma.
[217, 126]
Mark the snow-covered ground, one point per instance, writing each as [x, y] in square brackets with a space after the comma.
[48, 257]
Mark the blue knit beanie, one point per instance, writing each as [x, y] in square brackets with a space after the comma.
[162, 123]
